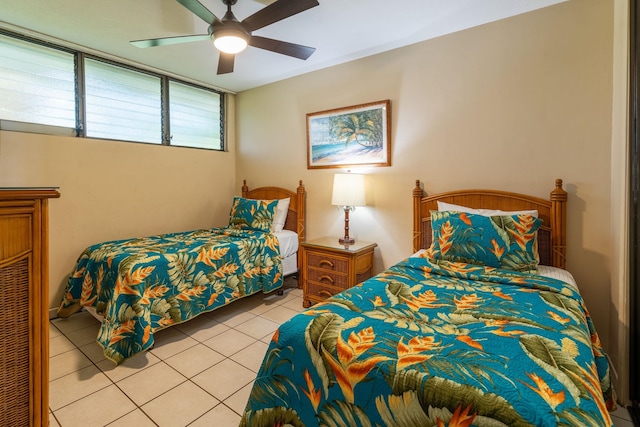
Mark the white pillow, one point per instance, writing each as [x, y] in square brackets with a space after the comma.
[281, 215]
[444, 206]
[558, 273]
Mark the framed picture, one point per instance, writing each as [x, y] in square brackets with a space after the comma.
[359, 135]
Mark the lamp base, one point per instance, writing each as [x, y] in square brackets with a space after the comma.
[346, 240]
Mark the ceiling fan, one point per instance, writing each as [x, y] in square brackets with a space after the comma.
[231, 36]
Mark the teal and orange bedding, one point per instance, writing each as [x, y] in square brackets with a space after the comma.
[437, 343]
[143, 285]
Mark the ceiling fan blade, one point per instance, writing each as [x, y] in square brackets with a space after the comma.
[285, 48]
[199, 10]
[169, 40]
[225, 63]
[276, 12]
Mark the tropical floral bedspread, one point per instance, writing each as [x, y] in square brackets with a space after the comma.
[145, 284]
[447, 344]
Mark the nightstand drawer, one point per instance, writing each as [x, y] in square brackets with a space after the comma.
[324, 261]
[326, 277]
[329, 268]
[322, 291]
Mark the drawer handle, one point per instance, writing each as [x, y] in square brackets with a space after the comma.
[325, 277]
[325, 293]
[326, 261]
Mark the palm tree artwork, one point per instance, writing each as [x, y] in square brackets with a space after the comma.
[353, 136]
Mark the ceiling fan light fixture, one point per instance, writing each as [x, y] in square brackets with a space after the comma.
[230, 40]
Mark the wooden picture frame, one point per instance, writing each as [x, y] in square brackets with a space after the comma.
[359, 135]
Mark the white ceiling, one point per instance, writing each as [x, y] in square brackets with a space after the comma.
[340, 30]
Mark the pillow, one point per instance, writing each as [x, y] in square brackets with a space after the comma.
[252, 214]
[281, 215]
[507, 241]
[444, 206]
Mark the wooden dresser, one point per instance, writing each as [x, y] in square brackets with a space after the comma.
[24, 304]
[329, 267]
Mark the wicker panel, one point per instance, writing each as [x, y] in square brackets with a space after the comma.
[14, 344]
[544, 246]
[291, 223]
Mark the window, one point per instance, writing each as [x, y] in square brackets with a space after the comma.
[195, 118]
[37, 84]
[122, 104]
[54, 86]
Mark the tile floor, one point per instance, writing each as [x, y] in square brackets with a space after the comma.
[199, 373]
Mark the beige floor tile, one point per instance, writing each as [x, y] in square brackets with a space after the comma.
[96, 409]
[267, 339]
[621, 422]
[202, 328]
[75, 386]
[289, 295]
[84, 336]
[53, 331]
[128, 367]
[238, 400]
[297, 292]
[247, 303]
[135, 418]
[235, 318]
[194, 360]
[150, 383]
[66, 363]
[294, 304]
[229, 342]
[257, 327]
[279, 314]
[220, 416]
[169, 342]
[74, 322]
[273, 299]
[59, 345]
[94, 352]
[261, 308]
[224, 378]
[251, 357]
[621, 412]
[180, 405]
[52, 420]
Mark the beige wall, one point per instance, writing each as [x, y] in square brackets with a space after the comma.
[619, 313]
[511, 105]
[113, 190]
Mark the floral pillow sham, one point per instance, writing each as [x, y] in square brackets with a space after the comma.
[507, 241]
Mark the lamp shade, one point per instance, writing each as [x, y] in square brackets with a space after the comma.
[348, 190]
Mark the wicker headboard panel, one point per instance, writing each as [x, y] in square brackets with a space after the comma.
[551, 236]
[297, 206]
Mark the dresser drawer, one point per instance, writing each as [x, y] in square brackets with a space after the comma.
[327, 277]
[327, 262]
[322, 291]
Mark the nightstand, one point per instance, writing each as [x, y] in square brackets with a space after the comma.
[329, 267]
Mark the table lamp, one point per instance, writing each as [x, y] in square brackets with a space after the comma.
[348, 192]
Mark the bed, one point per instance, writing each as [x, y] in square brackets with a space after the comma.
[141, 285]
[452, 335]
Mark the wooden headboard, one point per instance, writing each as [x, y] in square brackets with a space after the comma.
[297, 206]
[552, 235]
